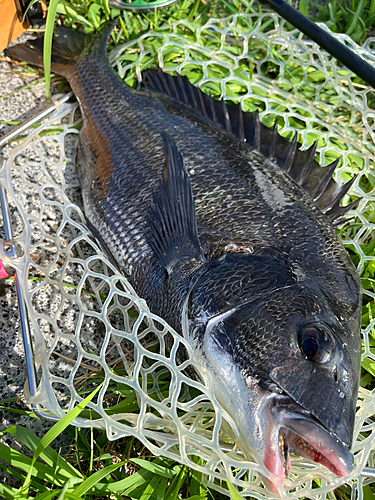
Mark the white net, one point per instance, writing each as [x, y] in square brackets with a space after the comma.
[89, 326]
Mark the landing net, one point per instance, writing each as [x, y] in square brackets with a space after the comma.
[89, 326]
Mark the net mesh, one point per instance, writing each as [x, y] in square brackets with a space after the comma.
[90, 327]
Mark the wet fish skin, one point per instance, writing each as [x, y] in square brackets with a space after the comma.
[267, 266]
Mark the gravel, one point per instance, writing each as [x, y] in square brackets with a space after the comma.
[22, 95]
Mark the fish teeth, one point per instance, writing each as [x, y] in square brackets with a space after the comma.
[312, 453]
[284, 453]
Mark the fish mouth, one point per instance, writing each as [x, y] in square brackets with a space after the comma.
[294, 429]
[290, 441]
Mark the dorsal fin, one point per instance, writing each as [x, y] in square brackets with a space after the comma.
[316, 180]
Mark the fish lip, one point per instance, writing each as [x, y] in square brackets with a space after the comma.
[295, 429]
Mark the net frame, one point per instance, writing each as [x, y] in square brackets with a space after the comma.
[64, 256]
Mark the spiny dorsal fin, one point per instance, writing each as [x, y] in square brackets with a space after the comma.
[316, 180]
[173, 234]
[336, 215]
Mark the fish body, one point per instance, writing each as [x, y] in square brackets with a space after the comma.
[212, 218]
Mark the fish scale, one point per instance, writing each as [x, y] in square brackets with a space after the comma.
[211, 210]
[212, 217]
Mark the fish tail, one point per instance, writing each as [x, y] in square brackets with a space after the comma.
[69, 46]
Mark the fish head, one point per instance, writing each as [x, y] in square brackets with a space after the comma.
[285, 362]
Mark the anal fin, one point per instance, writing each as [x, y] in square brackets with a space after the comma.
[173, 234]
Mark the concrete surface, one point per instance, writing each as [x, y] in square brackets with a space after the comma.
[22, 95]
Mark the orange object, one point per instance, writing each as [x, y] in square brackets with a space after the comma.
[11, 25]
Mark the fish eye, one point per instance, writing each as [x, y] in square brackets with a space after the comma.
[316, 343]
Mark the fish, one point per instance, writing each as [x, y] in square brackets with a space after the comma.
[228, 231]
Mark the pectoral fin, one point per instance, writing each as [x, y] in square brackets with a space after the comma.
[173, 234]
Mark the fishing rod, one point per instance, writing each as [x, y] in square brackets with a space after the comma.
[326, 41]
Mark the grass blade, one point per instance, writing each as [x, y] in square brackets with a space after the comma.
[356, 15]
[154, 468]
[128, 484]
[50, 456]
[7, 492]
[37, 469]
[233, 492]
[160, 491]
[47, 47]
[172, 493]
[71, 482]
[48, 495]
[91, 481]
[54, 432]
[150, 489]
[304, 7]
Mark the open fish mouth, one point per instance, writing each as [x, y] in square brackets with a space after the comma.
[290, 441]
[294, 429]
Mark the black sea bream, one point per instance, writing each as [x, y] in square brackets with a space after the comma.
[227, 230]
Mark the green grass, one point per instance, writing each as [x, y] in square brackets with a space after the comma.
[94, 473]
[355, 18]
[96, 467]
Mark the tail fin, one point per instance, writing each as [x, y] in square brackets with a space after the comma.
[68, 47]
